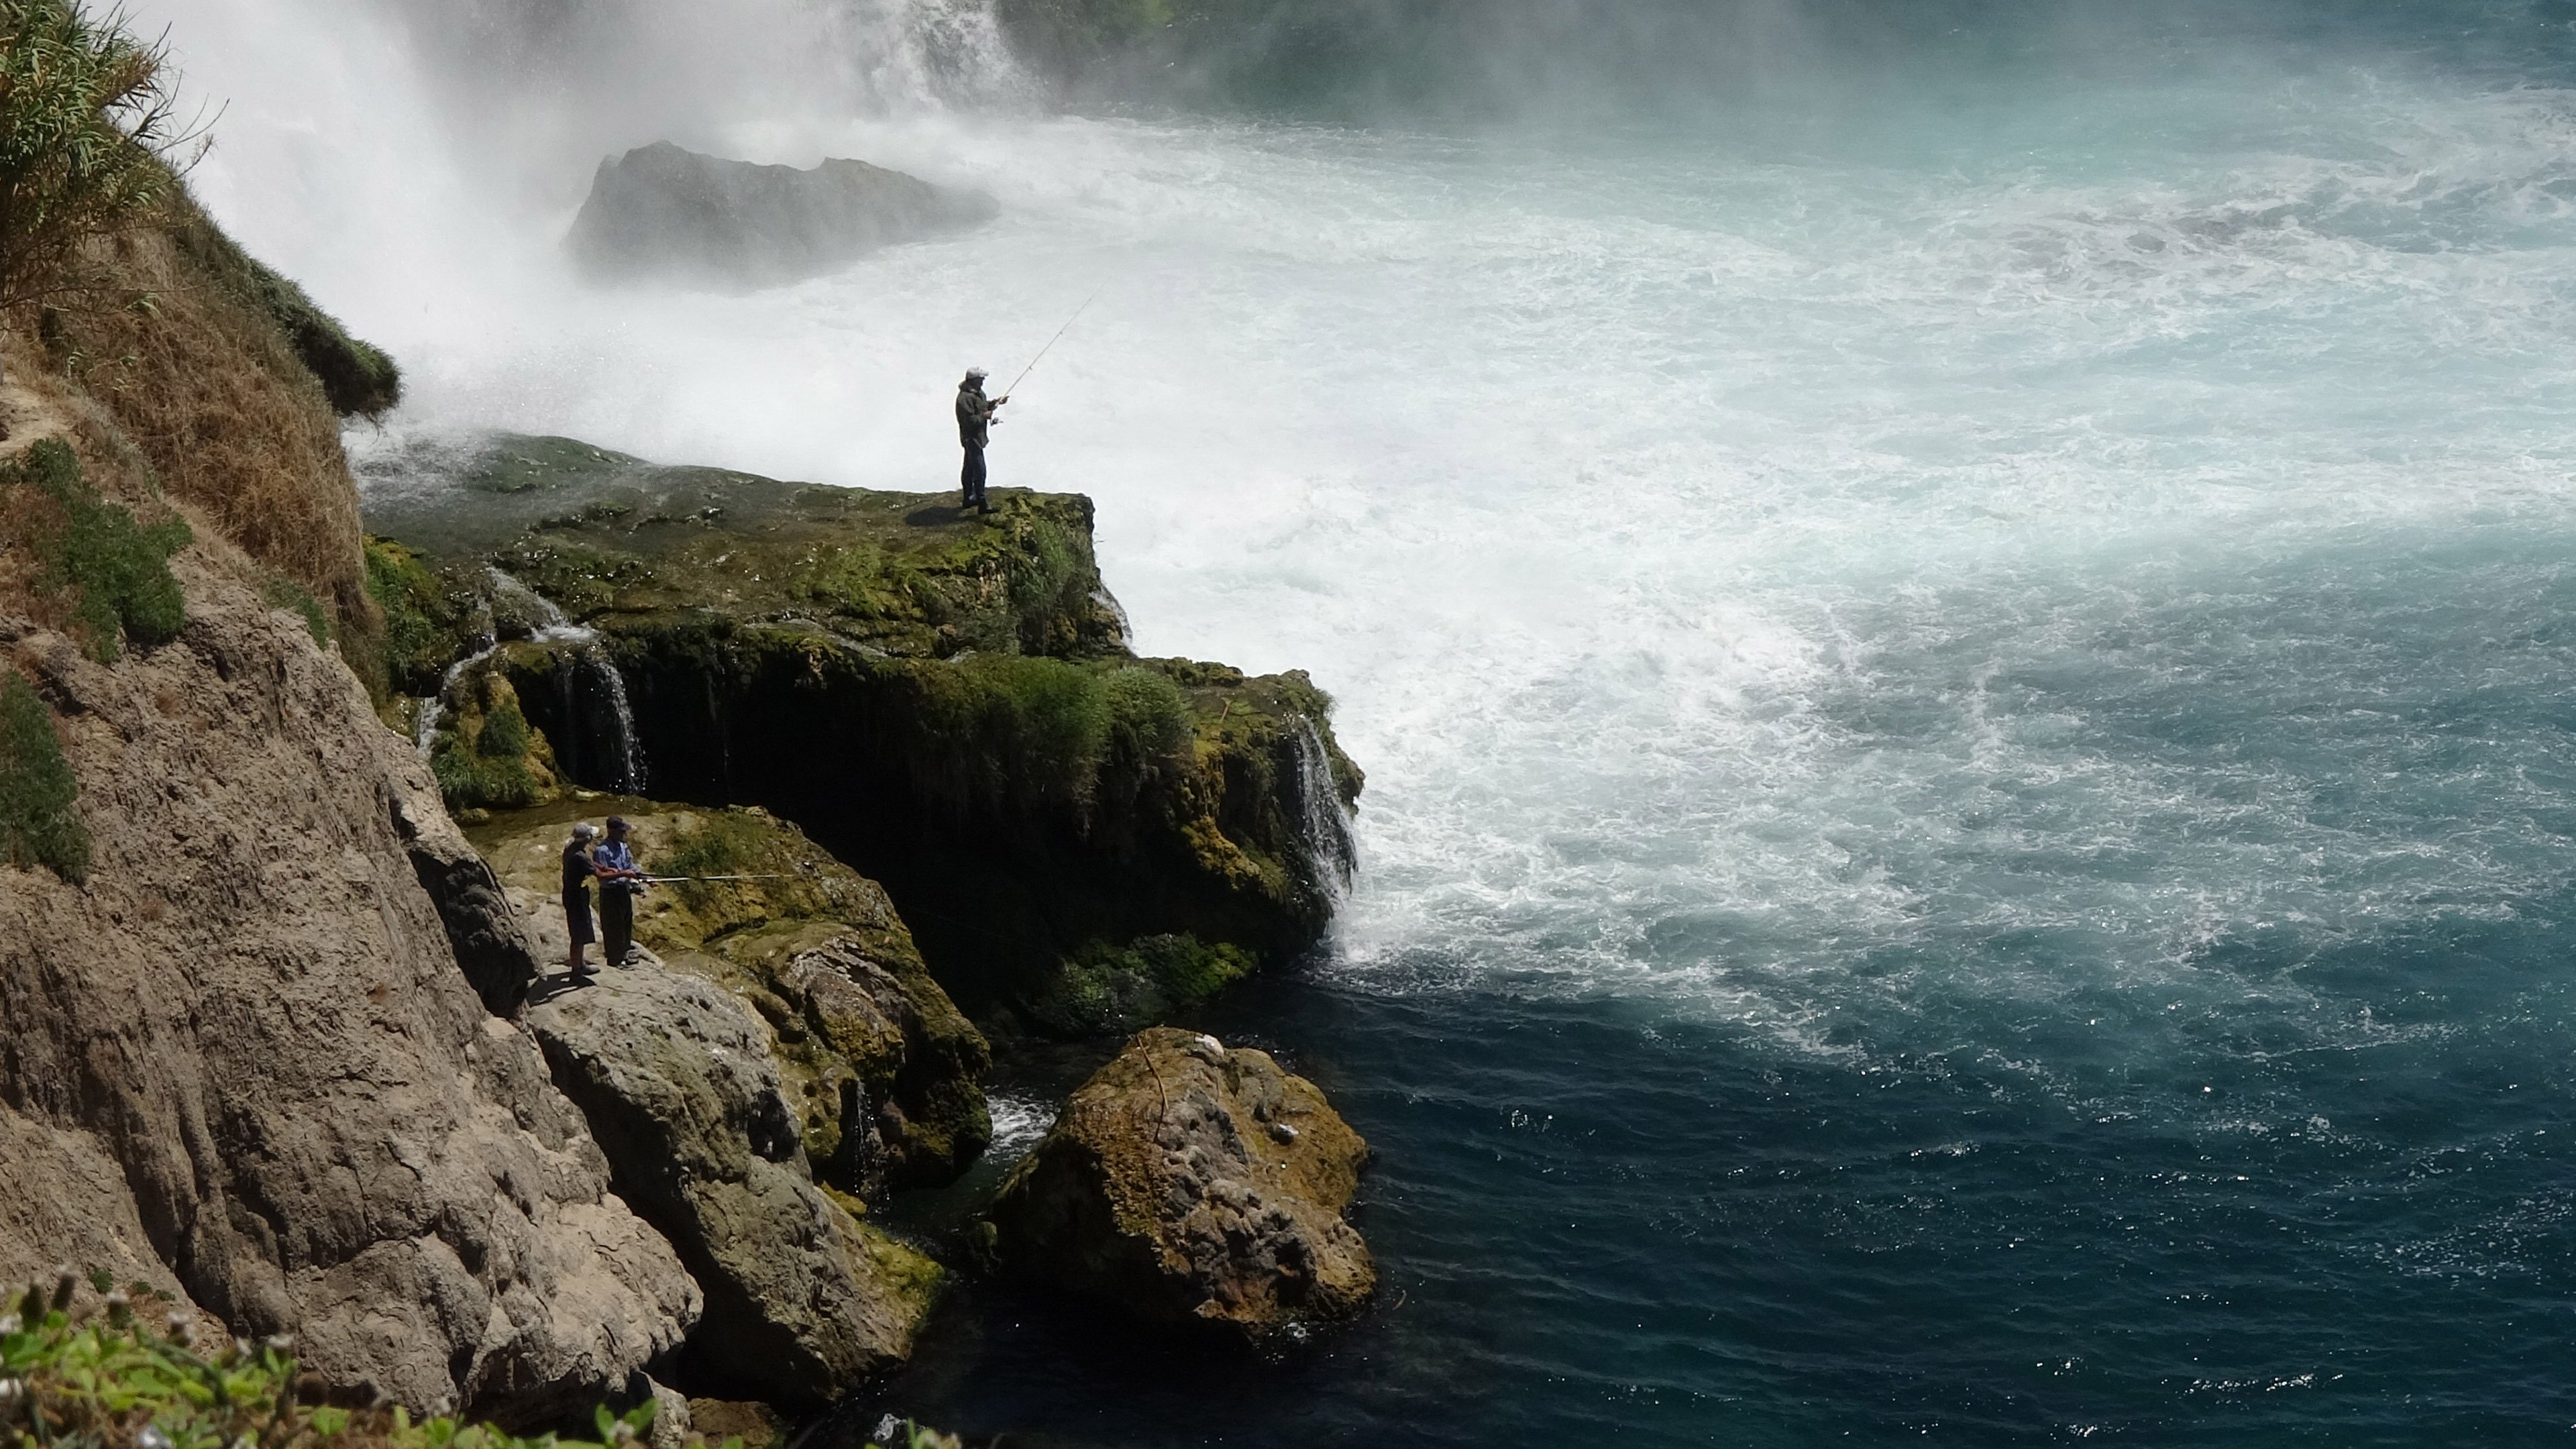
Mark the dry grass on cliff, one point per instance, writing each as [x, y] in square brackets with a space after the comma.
[215, 401]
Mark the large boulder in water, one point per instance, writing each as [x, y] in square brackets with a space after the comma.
[675, 1077]
[663, 211]
[1192, 1184]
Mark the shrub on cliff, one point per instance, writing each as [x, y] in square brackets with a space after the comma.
[38, 825]
[105, 1380]
[85, 118]
[109, 574]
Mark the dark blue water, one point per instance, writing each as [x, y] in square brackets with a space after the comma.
[2007, 1178]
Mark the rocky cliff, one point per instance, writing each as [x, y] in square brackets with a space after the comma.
[1081, 839]
[242, 1061]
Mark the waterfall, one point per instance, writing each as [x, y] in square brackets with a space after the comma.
[589, 663]
[424, 729]
[1118, 611]
[1324, 821]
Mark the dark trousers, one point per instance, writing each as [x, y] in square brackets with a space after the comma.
[971, 479]
[617, 923]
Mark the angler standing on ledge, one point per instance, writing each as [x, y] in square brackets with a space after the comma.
[619, 884]
[974, 429]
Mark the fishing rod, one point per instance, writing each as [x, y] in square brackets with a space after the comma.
[677, 879]
[1050, 345]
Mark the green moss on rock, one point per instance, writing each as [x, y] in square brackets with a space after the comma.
[485, 754]
[426, 621]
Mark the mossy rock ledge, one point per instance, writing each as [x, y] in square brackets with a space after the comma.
[1082, 840]
[879, 1069]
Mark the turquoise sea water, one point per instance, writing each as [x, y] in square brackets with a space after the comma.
[1961, 635]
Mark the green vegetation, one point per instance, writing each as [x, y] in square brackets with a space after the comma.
[1106, 990]
[358, 378]
[38, 825]
[1001, 731]
[107, 1381]
[85, 118]
[112, 573]
[487, 756]
[421, 624]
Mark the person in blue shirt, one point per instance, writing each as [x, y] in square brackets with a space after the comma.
[613, 861]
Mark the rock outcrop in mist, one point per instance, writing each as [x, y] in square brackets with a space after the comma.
[660, 212]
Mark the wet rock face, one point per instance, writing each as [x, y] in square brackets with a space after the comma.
[1194, 1184]
[242, 1062]
[660, 211]
[675, 1078]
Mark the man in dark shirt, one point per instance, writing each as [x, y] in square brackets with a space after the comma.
[619, 883]
[577, 872]
[974, 429]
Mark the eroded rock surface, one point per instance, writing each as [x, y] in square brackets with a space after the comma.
[879, 1068]
[660, 210]
[242, 1061]
[1194, 1184]
[675, 1078]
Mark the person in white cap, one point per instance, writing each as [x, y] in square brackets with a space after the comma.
[577, 871]
[974, 429]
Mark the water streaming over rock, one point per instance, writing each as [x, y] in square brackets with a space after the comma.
[598, 747]
[1326, 820]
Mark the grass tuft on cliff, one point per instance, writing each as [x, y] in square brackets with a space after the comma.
[108, 575]
[108, 1377]
[108, 1381]
[86, 114]
[38, 824]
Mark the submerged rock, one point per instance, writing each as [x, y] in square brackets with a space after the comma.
[663, 211]
[675, 1079]
[1194, 1184]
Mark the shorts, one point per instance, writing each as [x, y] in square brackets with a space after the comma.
[576, 906]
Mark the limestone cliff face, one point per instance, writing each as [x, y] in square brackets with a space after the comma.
[242, 1053]
[243, 1060]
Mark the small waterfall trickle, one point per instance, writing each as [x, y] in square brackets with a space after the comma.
[592, 679]
[424, 727]
[1118, 611]
[1325, 821]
